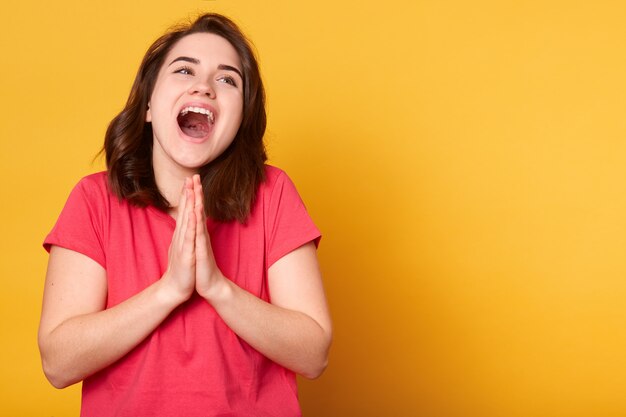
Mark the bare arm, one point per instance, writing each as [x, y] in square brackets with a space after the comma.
[78, 336]
[295, 329]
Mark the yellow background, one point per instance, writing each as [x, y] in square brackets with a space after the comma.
[466, 161]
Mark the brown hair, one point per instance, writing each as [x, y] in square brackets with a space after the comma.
[231, 180]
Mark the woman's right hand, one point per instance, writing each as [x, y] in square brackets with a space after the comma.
[180, 276]
[79, 335]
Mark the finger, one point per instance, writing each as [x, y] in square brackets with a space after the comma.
[202, 236]
[199, 202]
[190, 196]
[179, 214]
[197, 190]
[190, 232]
[183, 212]
[189, 241]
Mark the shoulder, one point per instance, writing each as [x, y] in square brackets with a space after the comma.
[82, 222]
[277, 186]
[93, 192]
[278, 190]
[275, 178]
[272, 174]
[94, 185]
[95, 180]
[286, 219]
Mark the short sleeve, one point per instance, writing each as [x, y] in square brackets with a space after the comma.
[80, 224]
[289, 223]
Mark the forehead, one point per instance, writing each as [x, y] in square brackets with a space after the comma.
[208, 48]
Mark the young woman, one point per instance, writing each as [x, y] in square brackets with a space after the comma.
[183, 281]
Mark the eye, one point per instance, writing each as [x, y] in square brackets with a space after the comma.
[184, 71]
[228, 80]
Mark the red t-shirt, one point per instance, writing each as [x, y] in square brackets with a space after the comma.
[192, 364]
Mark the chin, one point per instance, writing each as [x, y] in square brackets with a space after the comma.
[193, 164]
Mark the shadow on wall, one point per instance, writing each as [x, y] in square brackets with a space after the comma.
[380, 298]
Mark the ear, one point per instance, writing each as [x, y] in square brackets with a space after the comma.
[148, 115]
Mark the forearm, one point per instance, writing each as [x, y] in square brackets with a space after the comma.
[85, 344]
[78, 336]
[288, 337]
[294, 330]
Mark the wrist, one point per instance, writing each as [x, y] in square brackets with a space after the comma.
[169, 295]
[220, 290]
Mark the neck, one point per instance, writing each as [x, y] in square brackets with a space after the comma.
[170, 184]
[170, 179]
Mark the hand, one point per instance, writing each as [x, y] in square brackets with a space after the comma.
[180, 275]
[209, 278]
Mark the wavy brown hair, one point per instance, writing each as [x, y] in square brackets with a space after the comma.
[232, 179]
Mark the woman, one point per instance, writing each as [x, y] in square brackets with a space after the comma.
[203, 302]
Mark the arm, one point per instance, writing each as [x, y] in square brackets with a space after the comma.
[295, 329]
[78, 336]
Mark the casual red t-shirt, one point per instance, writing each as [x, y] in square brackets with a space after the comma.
[192, 364]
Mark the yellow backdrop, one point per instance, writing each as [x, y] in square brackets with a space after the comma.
[466, 161]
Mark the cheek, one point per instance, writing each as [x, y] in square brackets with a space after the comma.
[239, 112]
[234, 113]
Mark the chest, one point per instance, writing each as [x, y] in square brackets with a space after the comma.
[137, 246]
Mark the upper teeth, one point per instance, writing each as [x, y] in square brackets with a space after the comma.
[200, 110]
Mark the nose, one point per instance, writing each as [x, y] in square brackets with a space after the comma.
[202, 88]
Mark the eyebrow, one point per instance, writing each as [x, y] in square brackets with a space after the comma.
[230, 68]
[197, 61]
[186, 59]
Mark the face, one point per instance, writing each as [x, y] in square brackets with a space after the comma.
[196, 106]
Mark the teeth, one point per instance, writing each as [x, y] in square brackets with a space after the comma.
[199, 110]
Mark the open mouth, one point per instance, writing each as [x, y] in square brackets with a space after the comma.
[195, 122]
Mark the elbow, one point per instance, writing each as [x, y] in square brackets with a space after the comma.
[58, 383]
[316, 371]
[319, 365]
[55, 376]
[53, 369]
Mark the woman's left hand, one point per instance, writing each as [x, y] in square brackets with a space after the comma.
[295, 329]
[209, 279]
